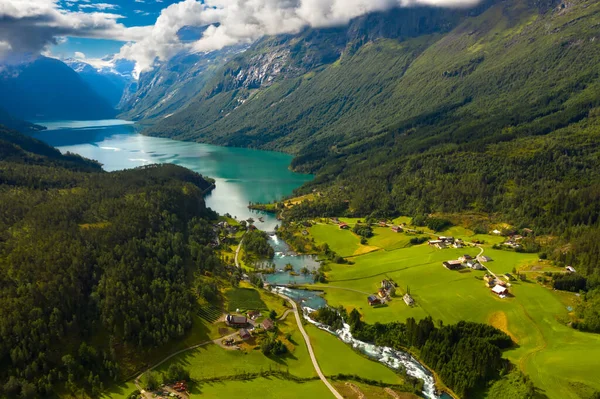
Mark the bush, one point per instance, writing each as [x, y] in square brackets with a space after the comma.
[363, 230]
[150, 380]
[176, 372]
[436, 224]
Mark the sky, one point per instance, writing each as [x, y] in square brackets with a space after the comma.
[146, 31]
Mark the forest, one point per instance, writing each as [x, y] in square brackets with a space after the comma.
[467, 356]
[92, 262]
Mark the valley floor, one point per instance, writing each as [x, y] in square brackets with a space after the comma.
[560, 360]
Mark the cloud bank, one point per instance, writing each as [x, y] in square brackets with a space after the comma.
[238, 21]
[31, 25]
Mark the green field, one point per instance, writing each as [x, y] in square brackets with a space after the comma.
[213, 361]
[244, 299]
[560, 360]
[343, 242]
[267, 388]
[335, 357]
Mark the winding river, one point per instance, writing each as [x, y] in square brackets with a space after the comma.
[242, 176]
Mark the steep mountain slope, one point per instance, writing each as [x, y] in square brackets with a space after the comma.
[513, 63]
[11, 122]
[171, 85]
[108, 84]
[303, 82]
[47, 88]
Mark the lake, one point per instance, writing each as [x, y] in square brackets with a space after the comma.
[241, 175]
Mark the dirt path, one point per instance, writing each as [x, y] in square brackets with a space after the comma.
[284, 315]
[237, 251]
[310, 349]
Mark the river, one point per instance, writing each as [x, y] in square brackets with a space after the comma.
[242, 176]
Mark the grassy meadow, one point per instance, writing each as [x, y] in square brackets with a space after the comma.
[561, 361]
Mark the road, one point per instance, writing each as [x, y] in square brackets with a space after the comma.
[237, 251]
[310, 349]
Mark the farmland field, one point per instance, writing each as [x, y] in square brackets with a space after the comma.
[560, 360]
[244, 299]
[266, 388]
[335, 357]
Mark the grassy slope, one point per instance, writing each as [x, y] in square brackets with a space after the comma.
[335, 357]
[274, 388]
[558, 358]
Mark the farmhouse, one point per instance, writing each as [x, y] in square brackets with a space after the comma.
[382, 293]
[500, 290]
[382, 224]
[244, 334]
[465, 258]
[373, 300]
[484, 258]
[473, 264]
[344, 225]
[452, 264]
[268, 324]
[508, 276]
[236, 321]
[408, 299]
[397, 229]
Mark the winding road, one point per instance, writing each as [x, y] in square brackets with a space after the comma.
[310, 349]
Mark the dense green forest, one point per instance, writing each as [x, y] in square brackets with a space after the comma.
[92, 262]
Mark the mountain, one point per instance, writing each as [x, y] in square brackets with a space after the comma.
[171, 85]
[107, 82]
[300, 84]
[22, 126]
[47, 88]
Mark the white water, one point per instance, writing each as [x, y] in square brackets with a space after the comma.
[388, 356]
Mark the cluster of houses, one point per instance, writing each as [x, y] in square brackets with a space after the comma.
[446, 242]
[384, 294]
[464, 261]
[243, 322]
[514, 242]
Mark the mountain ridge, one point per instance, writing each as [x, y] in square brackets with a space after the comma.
[46, 88]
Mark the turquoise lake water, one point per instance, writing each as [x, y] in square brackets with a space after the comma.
[242, 175]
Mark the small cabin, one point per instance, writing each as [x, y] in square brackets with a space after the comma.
[397, 229]
[452, 264]
[373, 300]
[344, 226]
[500, 290]
[236, 321]
[244, 334]
[268, 324]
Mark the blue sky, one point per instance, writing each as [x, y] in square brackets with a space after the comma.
[135, 13]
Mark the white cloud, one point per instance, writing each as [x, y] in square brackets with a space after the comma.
[239, 21]
[79, 55]
[139, 1]
[29, 26]
[98, 6]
